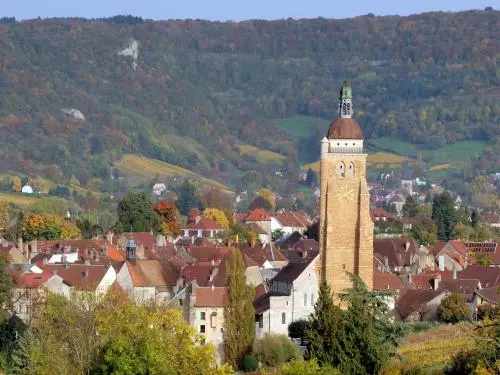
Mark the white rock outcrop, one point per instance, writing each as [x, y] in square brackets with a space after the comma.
[75, 113]
[133, 51]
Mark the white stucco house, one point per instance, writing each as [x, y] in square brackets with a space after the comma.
[291, 296]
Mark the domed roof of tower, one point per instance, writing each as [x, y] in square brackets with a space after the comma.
[345, 128]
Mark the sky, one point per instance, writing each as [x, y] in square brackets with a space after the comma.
[235, 10]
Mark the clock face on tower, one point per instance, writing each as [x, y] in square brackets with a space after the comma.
[346, 193]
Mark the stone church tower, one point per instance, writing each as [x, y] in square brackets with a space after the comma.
[345, 226]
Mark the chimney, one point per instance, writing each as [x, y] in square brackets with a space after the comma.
[34, 247]
[197, 219]
[386, 262]
[466, 259]
[192, 240]
[454, 273]
[54, 272]
[66, 265]
[407, 247]
[441, 262]
[212, 262]
[86, 274]
[437, 279]
[304, 254]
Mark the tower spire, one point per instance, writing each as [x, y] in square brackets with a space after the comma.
[345, 101]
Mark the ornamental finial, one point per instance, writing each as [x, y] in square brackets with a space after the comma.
[345, 104]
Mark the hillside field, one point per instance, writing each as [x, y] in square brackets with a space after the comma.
[300, 126]
[431, 350]
[263, 156]
[145, 169]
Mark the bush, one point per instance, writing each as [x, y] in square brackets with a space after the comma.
[297, 329]
[464, 363]
[301, 367]
[453, 309]
[272, 350]
[488, 312]
[249, 364]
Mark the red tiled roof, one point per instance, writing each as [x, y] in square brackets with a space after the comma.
[487, 249]
[489, 276]
[200, 272]
[491, 294]
[459, 246]
[395, 250]
[31, 280]
[293, 219]
[239, 217]
[208, 253]
[423, 281]
[261, 253]
[386, 281]
[259, 214]
[260, 290]
[210, 297]
[380, 212]
[465, 287]
[411, 300]
[147, 273]
[80, 276]
[204, 223]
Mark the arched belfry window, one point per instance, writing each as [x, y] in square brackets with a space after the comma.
[341, 169]
[351, 170]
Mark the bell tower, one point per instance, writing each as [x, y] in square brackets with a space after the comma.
[345, 227]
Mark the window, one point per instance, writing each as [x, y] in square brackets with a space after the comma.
[283, 318]
[261, 321]
[213, 320]
[312, 299]
[180, 302]
[341, 170]
[202, 315]
[350, 170]
[202, 328]
[305, 299]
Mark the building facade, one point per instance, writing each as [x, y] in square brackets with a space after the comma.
[346, 229]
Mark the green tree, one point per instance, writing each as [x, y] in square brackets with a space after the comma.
[6, 284]
[410, 208]
[357, 340]
[135, 212]
[239, 313]
[453, 309]
[298, 329]
[188, 197]
[311, 178]
[4, 216]
[277, 234]
[443, 213]
[474, 219]
[425, 232]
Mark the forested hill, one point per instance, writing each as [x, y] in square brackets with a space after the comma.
[189, 92]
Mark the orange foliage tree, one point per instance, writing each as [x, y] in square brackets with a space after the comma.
[169, 215]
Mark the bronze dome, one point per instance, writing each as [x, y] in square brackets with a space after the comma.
[345, 128]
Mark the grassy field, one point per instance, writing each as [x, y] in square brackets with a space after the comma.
[18, 199]
[395, 145]
[145, 169]
[300, 126]
[263, 156]
[430, 351]
[459, 151]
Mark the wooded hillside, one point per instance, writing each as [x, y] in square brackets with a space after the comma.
[190, 92]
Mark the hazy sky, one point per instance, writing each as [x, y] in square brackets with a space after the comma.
[231, 9]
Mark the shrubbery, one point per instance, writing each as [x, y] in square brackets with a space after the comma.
[453, 309]
[272, 350]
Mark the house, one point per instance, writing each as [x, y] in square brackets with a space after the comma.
[397, 254]
[264, 255]
[263, 219]
[204, 310]
[84, 278]
[491, 220]
[159, 188]
[378, 214]
[486, 296]
[451, 255]
[144, 241]
[464, 287]
[13, 254]
[488, 276]
[146, 281]
[30, 291]
[201, 227]
[389, 283]
[291, 296]
[415, 305]
[398, 201]
[27, 189]
[291, 221]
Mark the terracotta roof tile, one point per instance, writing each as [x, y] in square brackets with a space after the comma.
[31, 280]
[345, 128]
[147, 272]
[489, 276]
[259, 214]
[491, 294]
[411, 300]
[201, 272]
[204, 223]
[386, 281]
[465, 287]
[79, 276]
[210, 297]
[262, 253]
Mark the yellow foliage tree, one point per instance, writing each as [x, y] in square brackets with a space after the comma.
[33, 227]
[16, 184]
[268, 195]
[4, 215]
[68, 229]
[218, 216]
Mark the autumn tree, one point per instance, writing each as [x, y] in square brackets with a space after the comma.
[218, 216]
[268, 195]
[239, 313]
[260, 202]
[4, 216]
[135, 212]
[51, 227]
[16, 184]
[218, 199]
[169, 217]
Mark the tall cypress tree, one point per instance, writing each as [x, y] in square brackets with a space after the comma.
[443, 213]
[239, 313]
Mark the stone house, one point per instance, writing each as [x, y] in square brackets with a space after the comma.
[204, 310]
[415, 305]
[202, 227]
